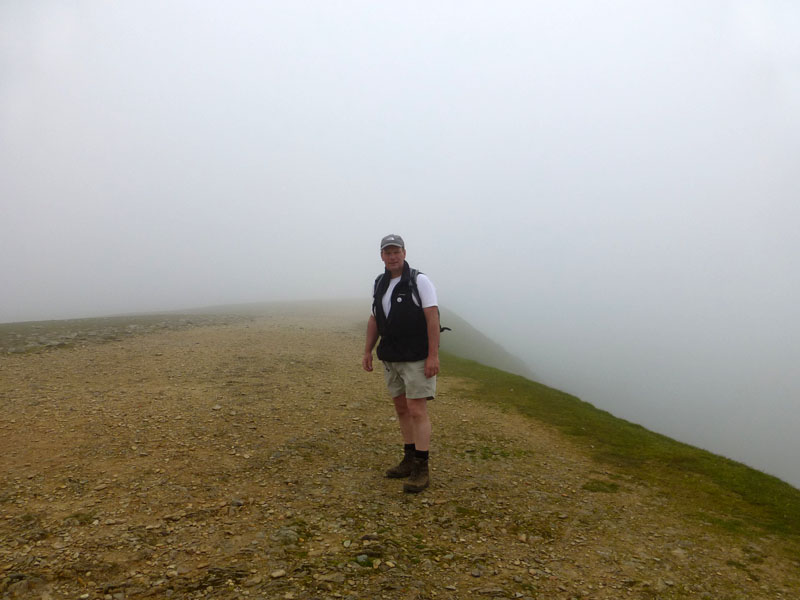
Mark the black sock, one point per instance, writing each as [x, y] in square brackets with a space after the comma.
[421, 454]
[408, 448]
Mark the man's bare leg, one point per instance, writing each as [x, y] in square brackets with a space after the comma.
[421, 423]
[404, 418]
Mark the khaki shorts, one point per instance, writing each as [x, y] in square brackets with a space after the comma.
[409, 378]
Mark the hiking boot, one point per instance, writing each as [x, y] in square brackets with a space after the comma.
[419, 477]
[403, 469]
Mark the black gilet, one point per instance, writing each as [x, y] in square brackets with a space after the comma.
[404, 334]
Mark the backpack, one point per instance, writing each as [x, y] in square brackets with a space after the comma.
[414, 291]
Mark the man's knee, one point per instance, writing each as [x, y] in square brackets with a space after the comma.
[417, 408]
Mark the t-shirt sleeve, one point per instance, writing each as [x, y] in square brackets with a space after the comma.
[427, 293]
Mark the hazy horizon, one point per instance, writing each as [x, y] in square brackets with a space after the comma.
[608, 191]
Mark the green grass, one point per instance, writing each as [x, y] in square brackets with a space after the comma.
[597, 485]
[718, 490]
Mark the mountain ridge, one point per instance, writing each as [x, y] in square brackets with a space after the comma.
[213, 456]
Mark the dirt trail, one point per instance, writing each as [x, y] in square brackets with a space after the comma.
[246, 460]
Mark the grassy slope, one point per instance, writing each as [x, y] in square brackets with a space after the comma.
[464, 340]
[715, 489]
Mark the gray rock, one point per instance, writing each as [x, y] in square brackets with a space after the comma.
[494, 592]
[364, 560]
[285, 536]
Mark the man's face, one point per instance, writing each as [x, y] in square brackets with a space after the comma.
[393, 257]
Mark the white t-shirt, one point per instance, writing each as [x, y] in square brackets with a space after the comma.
[427, 293]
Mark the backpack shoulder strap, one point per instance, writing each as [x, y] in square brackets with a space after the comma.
[375, 287]
[414, 289]
[377, 284]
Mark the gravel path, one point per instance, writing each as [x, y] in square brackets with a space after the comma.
[244, 459]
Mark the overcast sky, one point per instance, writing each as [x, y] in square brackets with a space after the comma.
[610, 190]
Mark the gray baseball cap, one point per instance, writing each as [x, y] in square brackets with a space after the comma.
[392, 240]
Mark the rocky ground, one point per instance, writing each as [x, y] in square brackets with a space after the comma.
[243, 458]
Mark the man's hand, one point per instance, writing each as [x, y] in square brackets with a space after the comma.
[366, 362]
[432, 321]
[431, 366]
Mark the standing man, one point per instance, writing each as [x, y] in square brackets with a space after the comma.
[405, 315]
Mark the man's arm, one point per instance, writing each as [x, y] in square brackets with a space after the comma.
[432, 362]
[372, 339]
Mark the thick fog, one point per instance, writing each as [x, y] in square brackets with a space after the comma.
[609, 190]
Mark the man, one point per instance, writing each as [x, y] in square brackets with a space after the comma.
[405, 315]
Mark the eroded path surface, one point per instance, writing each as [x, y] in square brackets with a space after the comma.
[245, 461]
